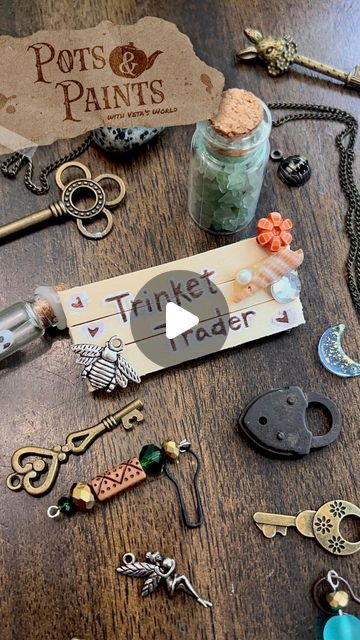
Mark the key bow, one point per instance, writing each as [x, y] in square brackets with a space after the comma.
[75, 189]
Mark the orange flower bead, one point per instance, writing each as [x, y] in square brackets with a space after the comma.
[274, 231]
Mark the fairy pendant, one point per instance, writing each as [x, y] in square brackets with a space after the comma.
[157, 569]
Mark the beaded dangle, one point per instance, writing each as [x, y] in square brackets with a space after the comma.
[340, 626]
[152, 461]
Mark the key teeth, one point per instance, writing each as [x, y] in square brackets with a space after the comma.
[270, 530]
[133, 417]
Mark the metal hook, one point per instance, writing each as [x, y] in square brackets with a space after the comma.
[333, 579]
[185, 447]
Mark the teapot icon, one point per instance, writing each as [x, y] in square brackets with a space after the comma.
[130, 62]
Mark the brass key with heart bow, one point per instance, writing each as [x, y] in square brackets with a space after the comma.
[38, 475]
[323, 525]
[72, 193]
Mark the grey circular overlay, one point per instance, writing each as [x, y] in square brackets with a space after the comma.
[194, 292]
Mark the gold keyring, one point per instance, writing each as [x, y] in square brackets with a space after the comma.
[98, 234]
[120, 182]
[67, 165]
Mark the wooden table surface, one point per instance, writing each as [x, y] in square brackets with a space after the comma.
[58, 578]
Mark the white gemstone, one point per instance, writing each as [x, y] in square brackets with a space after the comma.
[287, 288]
[244, 276]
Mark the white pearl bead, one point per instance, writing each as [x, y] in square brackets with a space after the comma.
[244, 276]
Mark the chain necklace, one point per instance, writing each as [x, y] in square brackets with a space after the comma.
[345, 142]
[11, 167]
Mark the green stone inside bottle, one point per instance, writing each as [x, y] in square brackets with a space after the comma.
[66, 505]
[152, 459]
[226, 176]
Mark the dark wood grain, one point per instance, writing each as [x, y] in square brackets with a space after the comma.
[58, 579]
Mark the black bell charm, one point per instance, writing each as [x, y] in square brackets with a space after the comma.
[293, 170]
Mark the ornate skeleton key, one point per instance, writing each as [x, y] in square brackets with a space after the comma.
[36, 468]
[279, 54]
[323, 524]
[71, 192]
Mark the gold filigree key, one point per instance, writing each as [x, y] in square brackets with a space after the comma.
[323, 525]
[72, 193]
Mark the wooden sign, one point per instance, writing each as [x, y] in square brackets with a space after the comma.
[100, 310]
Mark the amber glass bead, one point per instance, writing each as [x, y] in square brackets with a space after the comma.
[152, 459]
[338, 600]
[171, 449]
[82, 496]
[66, 505]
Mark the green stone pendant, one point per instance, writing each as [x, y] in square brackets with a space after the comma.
[152, 459]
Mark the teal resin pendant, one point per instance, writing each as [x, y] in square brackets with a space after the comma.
[342, 627]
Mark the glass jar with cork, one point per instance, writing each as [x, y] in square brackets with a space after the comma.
[26, 321]
[229, 154]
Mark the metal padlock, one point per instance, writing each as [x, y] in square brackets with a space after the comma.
[275, 422]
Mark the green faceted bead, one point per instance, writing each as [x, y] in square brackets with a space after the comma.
[66, 505]
[152, 459]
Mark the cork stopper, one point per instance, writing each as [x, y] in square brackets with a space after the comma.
[61, 286]
[46, 308]
[240, 112]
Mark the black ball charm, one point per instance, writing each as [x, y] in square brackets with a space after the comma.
[294, 171]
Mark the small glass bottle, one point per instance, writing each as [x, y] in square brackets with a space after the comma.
[23, 322]
[226, 175]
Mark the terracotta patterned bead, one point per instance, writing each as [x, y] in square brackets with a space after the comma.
[124, 476]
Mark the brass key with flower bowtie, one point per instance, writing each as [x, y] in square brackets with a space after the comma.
[323, 524]
[68, 206]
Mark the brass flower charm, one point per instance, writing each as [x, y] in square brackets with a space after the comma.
[337, 509]
[336, 544]
[323, 525]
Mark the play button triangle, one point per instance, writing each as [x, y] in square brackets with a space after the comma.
[178, 320]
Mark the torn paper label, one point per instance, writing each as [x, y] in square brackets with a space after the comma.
[61, 84]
